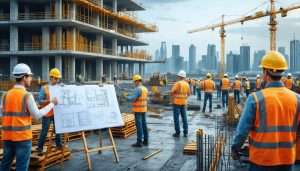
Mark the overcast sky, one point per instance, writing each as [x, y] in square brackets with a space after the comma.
[175, 17]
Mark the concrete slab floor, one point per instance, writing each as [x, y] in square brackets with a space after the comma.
[160, 136]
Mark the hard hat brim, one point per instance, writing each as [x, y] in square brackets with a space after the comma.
[275, 73]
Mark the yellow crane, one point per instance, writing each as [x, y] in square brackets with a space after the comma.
[260, 14]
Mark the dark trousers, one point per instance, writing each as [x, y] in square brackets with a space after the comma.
[236, 96]
[198, 94]
[207, 96]
[255, 167]
[247, 92]
[224, 97]
[141, 126]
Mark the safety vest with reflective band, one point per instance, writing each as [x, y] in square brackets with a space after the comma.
[46, 88]
[198, 85]
[289, 83]
[209, 86]
[16, 119]
[258, 83]
[247, 85]
[225, 84]
[273, 137]
[181, 94]
[194, 83]
[140, 104]
[237, 85]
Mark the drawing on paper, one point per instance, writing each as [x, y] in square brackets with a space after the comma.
[70, 98]
[96, 98]
[84, 118]
[68, 120]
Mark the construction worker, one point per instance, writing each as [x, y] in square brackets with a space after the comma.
[237, 86]
[208, 87]
[18, 106]
[139, 108]
[289, 83]
[43, 100]
[181, 91]
[272, 118]
[258, 83]
[198, 89]
[165, 80]
[194, 81]
[247, 87]
[224, 84]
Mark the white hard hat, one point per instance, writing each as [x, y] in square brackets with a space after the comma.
[20, 70]
[258, 76]
[289, 74]
[225, 75]
[236, 76]
[181, 73]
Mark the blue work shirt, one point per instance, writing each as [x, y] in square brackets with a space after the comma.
[136, 93]
[42, 96]
[247, 119]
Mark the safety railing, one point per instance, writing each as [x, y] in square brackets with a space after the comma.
[4, 47]
[30, 46]
[4, 17]
[42, 15]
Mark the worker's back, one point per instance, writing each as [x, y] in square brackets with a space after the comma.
[272, 140]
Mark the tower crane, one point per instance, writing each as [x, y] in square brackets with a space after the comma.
[260, 14]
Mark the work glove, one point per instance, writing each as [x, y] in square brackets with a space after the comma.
[124, 94]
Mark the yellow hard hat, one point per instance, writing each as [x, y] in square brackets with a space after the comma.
[136, 78]
[274, 61]
[55, 73]
[208, 75]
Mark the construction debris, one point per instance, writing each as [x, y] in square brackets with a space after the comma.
[128, 128]
[152, 154]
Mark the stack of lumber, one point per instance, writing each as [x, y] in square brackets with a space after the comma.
[190, 148]
[128, 128]
[54, 157]
[36, 131]
[74, 136]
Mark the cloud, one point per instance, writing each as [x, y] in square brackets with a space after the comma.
[172, 19]
[161, 1]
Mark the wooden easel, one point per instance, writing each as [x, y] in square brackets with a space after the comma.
[86, 150]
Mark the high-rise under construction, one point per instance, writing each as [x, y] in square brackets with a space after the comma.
[86, 37]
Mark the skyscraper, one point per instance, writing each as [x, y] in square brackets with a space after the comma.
[229, 63]
[192, 58]
[258, 55]
[163, 55]
[176, 60]
[295, 55]
[210, 60]
[244, 61]
[282, 51]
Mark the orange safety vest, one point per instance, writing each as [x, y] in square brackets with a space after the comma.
[289, 83]
[237, 85]
[258, 83]
[181, 93]
[225, 84]
[51, 113]
[273, 137]
[16, 119]
[194, 83]
[247, 84]
[209, 86]
[140, 103]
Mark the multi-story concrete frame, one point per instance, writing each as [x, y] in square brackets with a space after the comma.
[87, 37]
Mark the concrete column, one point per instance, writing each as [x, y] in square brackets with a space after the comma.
[96, 19]
[115, 47]
[14, 38]
[99, 69]
[82, 69]
[14, 10]
[13, 62]
[59, 37]
[114, 68]
[131, 49]
[124, 68]
[74, 38]
[115, 25]
[101, 3]
[122, 50]
[115, 6]
[72, 69]
[58, 9]
[143, 69]
[131, 69]
[26, 10]
[73, 10]
[99, 38]
[58, 63]
[45, 38]
[45, 68]
[119, 68]
[109, 74]
[140, 69]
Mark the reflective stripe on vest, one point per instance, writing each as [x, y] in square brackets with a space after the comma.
[140, 104]
[180, 96]
[16, 120]
[225, 84]
[237, 85]
[208, 86]
[247, 85]
[50, 113]
[258, 83]
[275, 127]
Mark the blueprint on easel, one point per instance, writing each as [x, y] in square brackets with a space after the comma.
[85, 107]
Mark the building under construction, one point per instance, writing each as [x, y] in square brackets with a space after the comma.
[86, 37]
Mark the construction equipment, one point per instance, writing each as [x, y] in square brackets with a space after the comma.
[260, 14]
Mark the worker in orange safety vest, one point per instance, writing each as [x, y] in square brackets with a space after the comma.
[208, 87]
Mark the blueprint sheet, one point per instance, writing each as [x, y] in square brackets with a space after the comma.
[85, 107]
